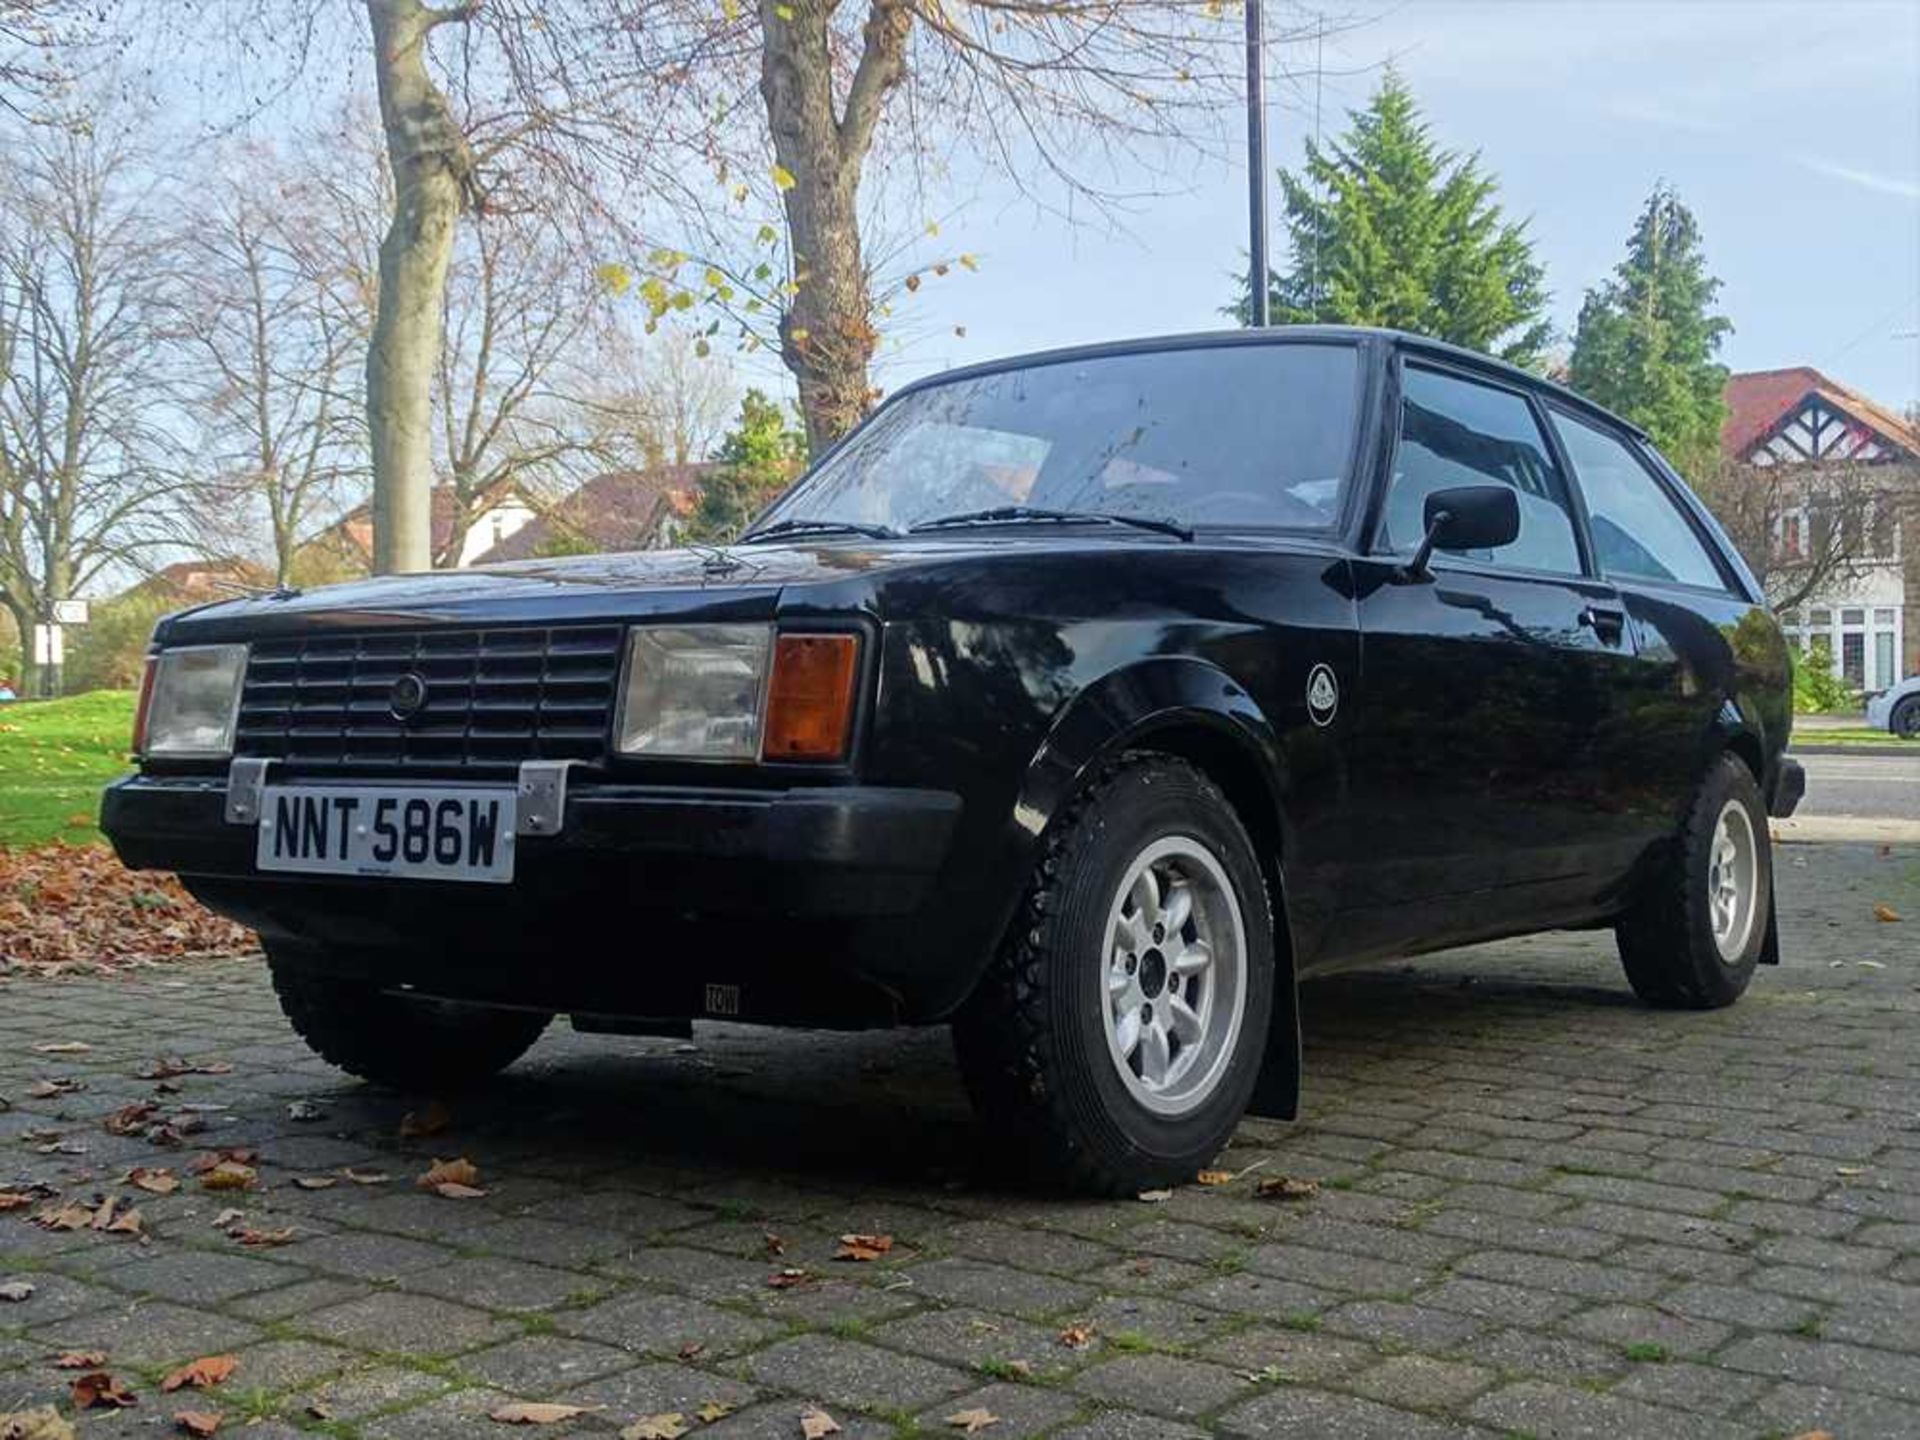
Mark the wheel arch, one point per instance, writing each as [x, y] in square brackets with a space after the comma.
[1191, 709]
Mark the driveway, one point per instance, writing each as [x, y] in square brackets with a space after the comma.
[1541, 1210]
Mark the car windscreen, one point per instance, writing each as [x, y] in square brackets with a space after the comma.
[1234, 435]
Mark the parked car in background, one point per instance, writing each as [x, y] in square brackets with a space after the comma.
[1086, 702]
[1897, 709]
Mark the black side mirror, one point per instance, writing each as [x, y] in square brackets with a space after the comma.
[1467, 517]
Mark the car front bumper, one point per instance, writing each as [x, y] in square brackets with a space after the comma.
[838, 850]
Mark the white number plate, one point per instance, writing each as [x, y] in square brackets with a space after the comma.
[448, 833]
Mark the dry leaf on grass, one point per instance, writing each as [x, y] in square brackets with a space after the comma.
[1215, 1177]
[863, 1247]
[97, 1389]
[713, 1410]
[91, 914]
[1077, 1337]
[154, 1182]
[207, 1370]
[1285, 1187]
[670, 1426]
[15, 1292]
[972, 1422]
[430, 1121]
[1886, 914]
[529, 1412]
[367, 1177]
[816, 1424]
[41, 1424]
[80, 1360]
[201, 1423]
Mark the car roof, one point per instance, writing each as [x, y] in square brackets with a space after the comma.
[1272, 335]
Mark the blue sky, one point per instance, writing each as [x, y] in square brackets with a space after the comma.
[1792, 129]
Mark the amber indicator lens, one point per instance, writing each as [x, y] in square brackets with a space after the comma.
[810, 702]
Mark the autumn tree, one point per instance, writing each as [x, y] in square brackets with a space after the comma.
[269, 315]
[1648, 337]
[758, 459]
[87, 481]
[1385, 227]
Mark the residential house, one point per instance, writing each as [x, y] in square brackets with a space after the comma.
[346, 546]
[620, 510]
[1866, 616]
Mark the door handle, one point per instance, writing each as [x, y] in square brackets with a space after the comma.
[1605, 621]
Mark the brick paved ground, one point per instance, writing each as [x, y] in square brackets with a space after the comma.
[1545, 1211]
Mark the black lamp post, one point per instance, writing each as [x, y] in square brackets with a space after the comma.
[1256, 167]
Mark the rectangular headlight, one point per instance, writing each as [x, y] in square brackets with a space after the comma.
[694, 692]
[194, 701]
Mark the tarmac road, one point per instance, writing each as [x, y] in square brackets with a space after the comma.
[1881, 786]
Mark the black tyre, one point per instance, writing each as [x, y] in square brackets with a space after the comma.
[1694, 935]
[1905, 720]
[1115, 1041]
[407, 1043]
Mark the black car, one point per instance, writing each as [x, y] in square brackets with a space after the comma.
[1087, 701]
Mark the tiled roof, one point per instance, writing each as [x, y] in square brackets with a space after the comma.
[620, 510]
[1758, 400]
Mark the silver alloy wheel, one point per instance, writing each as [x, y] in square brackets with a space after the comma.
[1733, 881]
[1176, 975]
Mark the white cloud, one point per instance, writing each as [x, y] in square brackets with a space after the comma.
[1901, 186]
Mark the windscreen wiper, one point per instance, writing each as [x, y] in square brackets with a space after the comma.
[794, 527]
[1014, 514]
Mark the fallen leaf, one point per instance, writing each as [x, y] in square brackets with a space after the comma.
[1156, 1197]
[71, 1216]
[776, 1247]
[13, 1200]
[1077, 1337]
[172, 1066]
[63, 1047]
[1020, 1368]
[131, 1119]
[788, 1278]
[154, 1182]
[305, 1110]
[97, 1389]
[713, 1410]
[1814, 1435]
[863, 1247]
[1285, 1187]
[16, 1292]
[528, 1412]
[314, 1182]
[692, 1350]
[1886, 914]
[207, 1370]
[816, 1423]
[128, 1222]
[452, 1191]
[198, 1422]
[228, 1217]
[1215, 1177]
[972, 1422]
[430, 1121]
[103, 1213]
[262, 1239]
[41, 1424]
[208, 1160]
[47, 1089]
[450, 1172]
[80, 1360]
[229, 1175]
[1847, 1172]
[367, 1177]
[670, 1426]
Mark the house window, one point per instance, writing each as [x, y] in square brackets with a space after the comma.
[1884, 666]
[1853, 658]
[1792, 536]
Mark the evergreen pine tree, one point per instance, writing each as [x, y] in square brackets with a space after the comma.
[757, 460]
[1646, 340]
[1409, 236]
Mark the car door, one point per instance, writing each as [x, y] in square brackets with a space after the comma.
[1699, 645]
[1484, 685]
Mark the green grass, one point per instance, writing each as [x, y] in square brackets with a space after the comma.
[54, 757]
[1861, 736]
[1647, 1352]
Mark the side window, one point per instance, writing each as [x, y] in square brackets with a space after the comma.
[1456, 432]
[1638, 532]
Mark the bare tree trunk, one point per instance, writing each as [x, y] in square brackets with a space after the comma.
[827, 337]
[433, 180]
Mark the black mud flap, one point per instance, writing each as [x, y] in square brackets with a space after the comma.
[1770, 947]
[1276, 1095]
